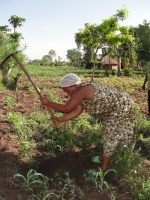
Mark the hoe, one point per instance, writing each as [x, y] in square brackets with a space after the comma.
[14, 55]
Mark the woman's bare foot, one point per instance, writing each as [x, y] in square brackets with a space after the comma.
[106, 163]
[101, 158]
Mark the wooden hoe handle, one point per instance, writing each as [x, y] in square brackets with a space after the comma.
[36, 88]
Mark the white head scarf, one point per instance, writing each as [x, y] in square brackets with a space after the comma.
[69, 80]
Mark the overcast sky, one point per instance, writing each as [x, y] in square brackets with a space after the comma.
[51, 24]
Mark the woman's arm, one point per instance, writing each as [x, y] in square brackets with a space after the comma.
[73, 114]
[76, 98]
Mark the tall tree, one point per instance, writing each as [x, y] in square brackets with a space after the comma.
[142, 35]
[74, 56]
[119, 42]
[11, 44]
[16, 21]
[46, 60]
[52, 54]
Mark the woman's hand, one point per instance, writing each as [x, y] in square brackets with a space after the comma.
[44, 101]
[73, 114]
[56, 120]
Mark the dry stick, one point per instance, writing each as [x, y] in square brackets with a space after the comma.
[36, 88]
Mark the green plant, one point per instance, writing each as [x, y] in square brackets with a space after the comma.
[86, 132]
[66, 186]
[114, 72]
[23, 133]
[52, 195]
[98, 178]
[25, 152]
[64, 189]
[128, 72]
[138, 185]
[126, 162]
[106, 73]
[18, 121]
[144, 193]
[101, 175]
[33, 180]
[10, 102]
[31, 89]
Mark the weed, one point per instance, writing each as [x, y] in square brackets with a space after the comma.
[144, 193]
[107, 73]
[18, 122]
[10, 102]
[126, 162]
[31, 89]
[66, 186]
[137, 185]
[21, 126]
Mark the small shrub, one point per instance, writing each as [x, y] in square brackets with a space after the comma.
[9, 102]
[126, 162]
[114, 72]
[107, 73]
[128, 72]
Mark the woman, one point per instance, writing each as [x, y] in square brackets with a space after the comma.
[113, 106]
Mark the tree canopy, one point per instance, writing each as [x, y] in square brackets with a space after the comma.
[16, 21]
[95, 36]
[142, 35]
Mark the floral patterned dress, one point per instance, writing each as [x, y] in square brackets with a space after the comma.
[117, 111]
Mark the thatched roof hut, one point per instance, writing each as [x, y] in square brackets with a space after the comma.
[109, 63]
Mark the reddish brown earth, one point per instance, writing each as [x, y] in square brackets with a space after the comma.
[68, 161]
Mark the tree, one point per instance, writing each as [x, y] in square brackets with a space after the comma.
[16, 21]
[2, 40]
[35, 62]
[95, 36]
[11, 44]
[129, 56]
[5, 29]
[3, 44]
[46, 60]
[52, 54]
[119, 42]
[88, 56]
[142, 35]
[74, 56]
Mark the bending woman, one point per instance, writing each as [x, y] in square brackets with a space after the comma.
[114, 106]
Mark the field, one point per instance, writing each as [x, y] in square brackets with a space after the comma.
[40, 162]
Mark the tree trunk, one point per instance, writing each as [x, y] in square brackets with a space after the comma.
[138, 66]
[92, 78]
[119, 65]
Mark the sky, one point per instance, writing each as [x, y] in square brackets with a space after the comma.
[52, 24]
